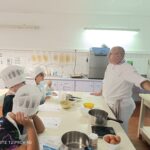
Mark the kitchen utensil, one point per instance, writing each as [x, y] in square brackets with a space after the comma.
[69, 96]
[75, 140]
[100, 117]
[76, 97]
[72, 98]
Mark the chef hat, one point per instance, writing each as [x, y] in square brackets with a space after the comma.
[37, 71]
[12, 75]
[27, 100]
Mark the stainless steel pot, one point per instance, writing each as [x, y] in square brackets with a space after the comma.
[75, 140]
[100, 117]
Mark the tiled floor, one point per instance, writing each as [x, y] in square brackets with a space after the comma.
[133, 129]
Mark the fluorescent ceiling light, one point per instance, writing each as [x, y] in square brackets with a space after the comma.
[110, 37]
[115, 29]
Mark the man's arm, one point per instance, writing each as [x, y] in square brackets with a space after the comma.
[146, 85]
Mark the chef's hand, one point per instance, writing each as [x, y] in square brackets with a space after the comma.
[146, 85]
[96, 93]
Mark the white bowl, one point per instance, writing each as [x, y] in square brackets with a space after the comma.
[113, 145]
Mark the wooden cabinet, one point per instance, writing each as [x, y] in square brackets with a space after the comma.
[144, 130]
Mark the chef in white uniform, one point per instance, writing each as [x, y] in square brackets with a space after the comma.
[117, 85]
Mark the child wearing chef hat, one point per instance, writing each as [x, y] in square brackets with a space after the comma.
[25, 104]
[14, 78]
[26, 100]
[45, 88]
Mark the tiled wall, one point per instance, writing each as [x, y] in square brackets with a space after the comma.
[64, 63]
[55, 63]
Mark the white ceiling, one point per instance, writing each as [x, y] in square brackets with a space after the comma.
[133, 7]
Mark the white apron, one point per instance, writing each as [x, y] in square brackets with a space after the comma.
[123, 109]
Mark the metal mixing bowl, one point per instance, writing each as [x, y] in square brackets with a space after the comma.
[75, 140]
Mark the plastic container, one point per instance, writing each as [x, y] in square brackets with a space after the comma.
[93, 140]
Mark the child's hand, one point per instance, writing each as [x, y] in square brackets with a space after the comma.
[54, 94]
[24, 120]
[49, 83]
[47, 98]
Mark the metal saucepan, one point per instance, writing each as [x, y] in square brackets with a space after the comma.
[100, 117]
[75, 140]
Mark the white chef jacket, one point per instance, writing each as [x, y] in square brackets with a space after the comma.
[117, 90]
[119, 80]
